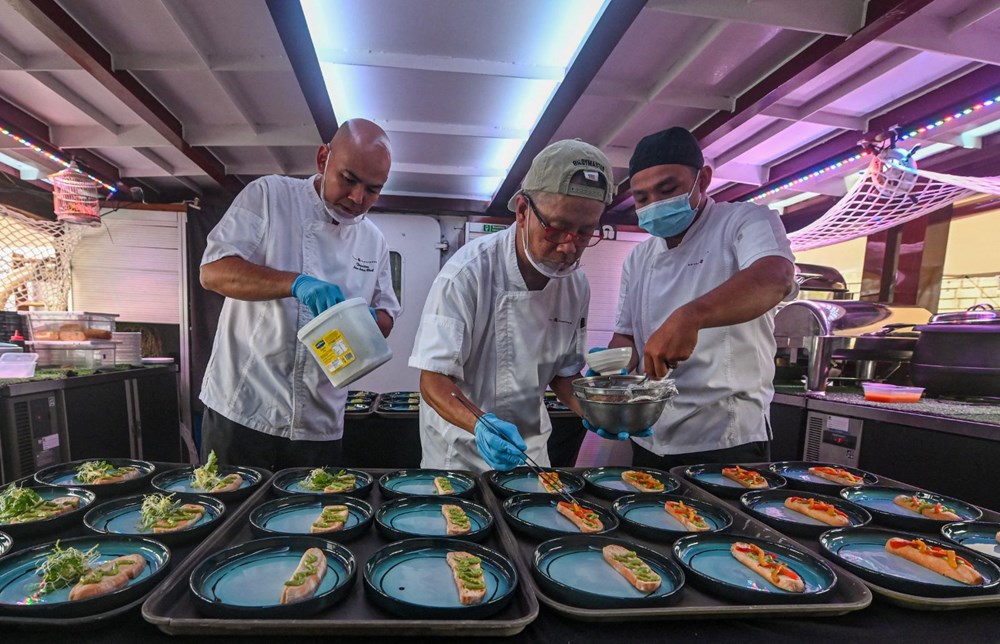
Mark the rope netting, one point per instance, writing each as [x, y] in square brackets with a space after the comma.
[887, 195]
[35, 260]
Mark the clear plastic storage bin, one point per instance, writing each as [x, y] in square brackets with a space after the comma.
[69, 326]
[74, 355]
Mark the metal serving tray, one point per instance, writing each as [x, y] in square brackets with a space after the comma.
[849, 595]
[902, 600]
[171, 609]
[178, 554]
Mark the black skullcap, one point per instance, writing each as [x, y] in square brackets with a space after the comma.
[670, 146]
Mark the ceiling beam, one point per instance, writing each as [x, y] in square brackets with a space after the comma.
[77, 101]
[839, 18]
[28, 127]
[973, 86]
[453, 129]
[294, 33]
[163, 164]
[675, 97]
[930, 33]
[830, 119]
[826, 52]
[609, 30]
[12, 59]
[48, 17]
[972, 14]
[201, 134]
[747, 173]
[673, 70]
[885, 65]
[178, 61]
[185, 22]
[445, 64]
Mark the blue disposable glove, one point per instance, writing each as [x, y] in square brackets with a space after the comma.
[620, 436]
[371, 309]
[590, 372]
[499, 443]
[316, 294]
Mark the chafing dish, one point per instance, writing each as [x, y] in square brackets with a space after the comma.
[866, 332]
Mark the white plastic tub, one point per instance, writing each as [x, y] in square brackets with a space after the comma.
[346, 342]
[18, 365]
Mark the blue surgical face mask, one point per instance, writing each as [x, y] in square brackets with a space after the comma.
[669, 217]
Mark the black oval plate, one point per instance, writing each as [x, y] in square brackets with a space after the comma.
[709, 476]
[980, 536]
[412, 579]
[573, 571]
[122, 516]
[420, 516]
[521, 480]
[421, 483]
[246, 581]
[862, 551]
[535, 516]
[286, 482]
[709, 564]
[799, 478]
[5, 543]
[178, 482]
[65, 474]
[607, 483]
[294, 515]
[769, 507]
[54, 525]
[644, 516]
[879, 502]
[18, 580]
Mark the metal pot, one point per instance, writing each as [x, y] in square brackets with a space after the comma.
[958, 359]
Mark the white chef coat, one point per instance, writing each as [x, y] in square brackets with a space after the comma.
[259, 374]
[725, 388]
[502, 343]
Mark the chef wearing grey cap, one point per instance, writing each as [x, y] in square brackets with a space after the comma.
[697, 301]
[505, 318]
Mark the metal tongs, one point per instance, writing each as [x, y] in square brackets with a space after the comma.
[529, 462]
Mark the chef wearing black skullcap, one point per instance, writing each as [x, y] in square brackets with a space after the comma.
[697, 300]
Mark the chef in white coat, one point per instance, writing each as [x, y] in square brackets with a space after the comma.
[697, 301]
[506, 318]
[285, 251]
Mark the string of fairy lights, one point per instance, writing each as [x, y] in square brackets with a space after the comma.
[905, 133]
[51, 156]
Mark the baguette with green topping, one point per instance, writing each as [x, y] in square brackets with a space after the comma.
[468, 575]
[306, 578]
[456, 519]
[631, 567]
[331, 519]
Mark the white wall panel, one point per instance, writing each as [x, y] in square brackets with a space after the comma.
[131, 266]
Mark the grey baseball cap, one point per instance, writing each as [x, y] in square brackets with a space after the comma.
[554, 167]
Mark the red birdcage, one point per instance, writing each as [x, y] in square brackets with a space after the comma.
[75, 197]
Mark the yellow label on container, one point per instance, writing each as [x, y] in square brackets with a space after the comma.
[333, 351]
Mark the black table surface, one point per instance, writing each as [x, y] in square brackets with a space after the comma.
[879, 622]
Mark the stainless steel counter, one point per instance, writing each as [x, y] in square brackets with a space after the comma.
[973, 419]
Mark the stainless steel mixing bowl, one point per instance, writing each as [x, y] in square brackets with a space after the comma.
[608, 404]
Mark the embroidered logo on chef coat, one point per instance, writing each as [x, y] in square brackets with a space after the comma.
[699, 262]
[365, 265]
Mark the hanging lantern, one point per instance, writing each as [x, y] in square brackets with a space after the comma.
[75, 197]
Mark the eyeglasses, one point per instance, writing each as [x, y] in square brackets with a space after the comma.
[557, 236]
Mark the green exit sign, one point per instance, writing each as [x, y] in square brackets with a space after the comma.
[493, 228]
